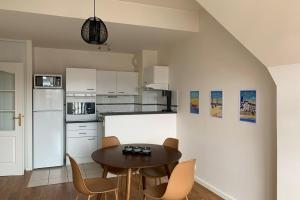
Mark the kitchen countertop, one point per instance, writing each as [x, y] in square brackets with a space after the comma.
[137, 113]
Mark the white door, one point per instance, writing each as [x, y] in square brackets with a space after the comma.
[48, 143]
[106, 82]
[11, 119]
[80, 80]
[127, 83]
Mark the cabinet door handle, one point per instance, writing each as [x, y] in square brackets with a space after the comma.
[82, 133]
[111, 92]
[121, 92]
[92, 139]
[90, 89]
[81, 126]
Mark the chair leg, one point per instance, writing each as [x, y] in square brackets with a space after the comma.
[186, 198]
[116, 194]
[105, 196]
[89, 197]
[119, 183]
[159, 180]
[145, 198]
[140, 192]
[77, 197]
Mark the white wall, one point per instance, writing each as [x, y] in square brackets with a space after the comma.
[47, 60]
[235, 159]
[288, 137]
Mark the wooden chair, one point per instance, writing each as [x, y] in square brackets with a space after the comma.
[160, 172]
[91, 187]
[111, 141]
[180, 183]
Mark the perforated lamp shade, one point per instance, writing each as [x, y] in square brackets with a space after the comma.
[94, 31]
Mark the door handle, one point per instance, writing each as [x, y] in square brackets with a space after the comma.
[19, 118]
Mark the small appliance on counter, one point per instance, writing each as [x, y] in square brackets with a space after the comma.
[168, 95]
[53, 81]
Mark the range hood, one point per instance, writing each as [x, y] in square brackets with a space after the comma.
[156, 77]
[157, 86]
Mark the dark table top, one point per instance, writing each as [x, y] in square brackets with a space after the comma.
[113, 157]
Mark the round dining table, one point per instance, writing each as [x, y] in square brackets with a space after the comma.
[114, 157]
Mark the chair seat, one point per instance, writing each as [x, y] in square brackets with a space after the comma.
[156, 192]
[99, 185]
[154, 172]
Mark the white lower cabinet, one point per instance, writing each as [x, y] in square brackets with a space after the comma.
[81, 143]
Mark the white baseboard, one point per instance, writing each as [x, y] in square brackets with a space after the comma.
[214, 189]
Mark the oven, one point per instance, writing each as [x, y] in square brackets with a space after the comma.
[80, 108]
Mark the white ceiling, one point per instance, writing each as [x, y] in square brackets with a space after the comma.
[61, 32]
[177, 4]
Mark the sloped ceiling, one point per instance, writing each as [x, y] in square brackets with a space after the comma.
[270, 29]
[178, 4]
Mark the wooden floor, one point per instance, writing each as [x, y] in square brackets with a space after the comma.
[13, 188]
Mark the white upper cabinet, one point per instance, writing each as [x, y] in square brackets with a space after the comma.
[117, 83]
[106, 83]
[79, 80]
[127, 83]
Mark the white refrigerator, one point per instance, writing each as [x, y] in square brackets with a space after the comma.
[48, 128]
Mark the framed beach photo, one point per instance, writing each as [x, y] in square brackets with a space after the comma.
[194, 102]
[248, 106]
[216, 104]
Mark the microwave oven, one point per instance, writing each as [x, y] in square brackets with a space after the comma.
[47, 81]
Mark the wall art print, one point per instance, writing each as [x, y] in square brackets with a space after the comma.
[194, 102]
[248, 106]
[216, 104]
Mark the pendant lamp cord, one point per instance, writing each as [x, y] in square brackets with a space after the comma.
[94, 8]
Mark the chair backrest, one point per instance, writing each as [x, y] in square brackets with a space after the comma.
[78, 181]
[171, 142]
[181, 181]
[110, 141]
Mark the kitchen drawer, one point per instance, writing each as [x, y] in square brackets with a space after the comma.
[81, 147]
[82, 133]
[81, 126]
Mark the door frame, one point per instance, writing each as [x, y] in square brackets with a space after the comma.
[24, 46]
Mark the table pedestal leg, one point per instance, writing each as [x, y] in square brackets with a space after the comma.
[144, 182]
[168, 170]
[105, 171]
[128, 184]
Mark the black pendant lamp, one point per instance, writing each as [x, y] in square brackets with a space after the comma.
[94, 31]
